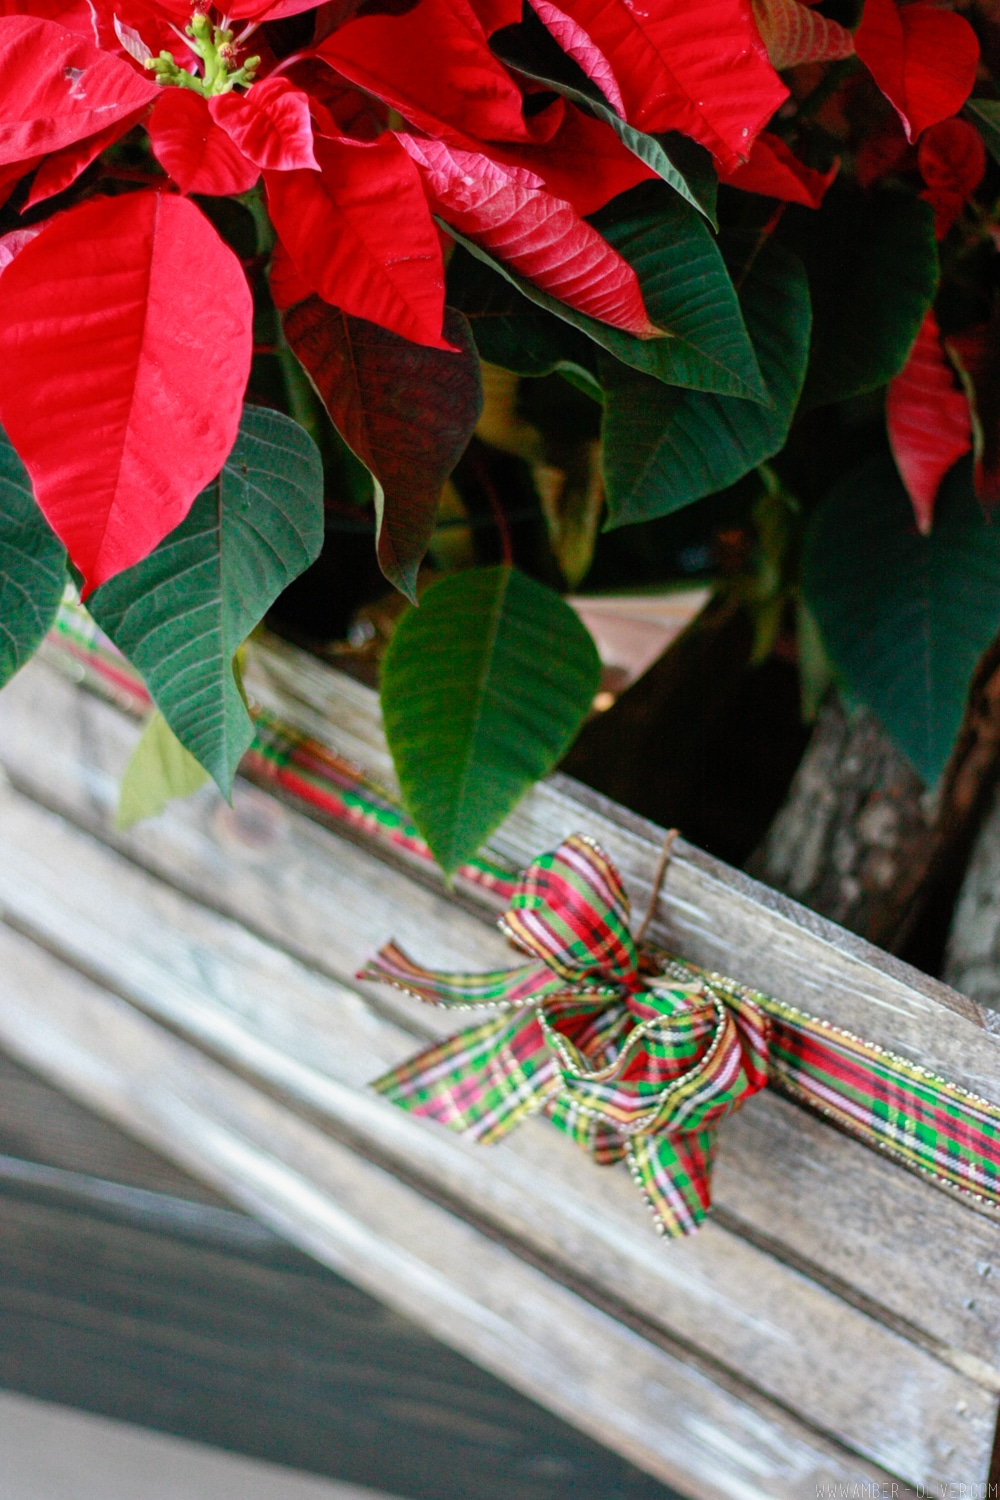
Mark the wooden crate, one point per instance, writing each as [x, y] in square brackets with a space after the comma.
[834, 1324]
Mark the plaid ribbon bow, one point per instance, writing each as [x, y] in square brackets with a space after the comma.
[628, 1060]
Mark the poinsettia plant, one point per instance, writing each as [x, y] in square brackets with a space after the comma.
[714, 218]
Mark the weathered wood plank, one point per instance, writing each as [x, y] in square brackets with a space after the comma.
[678, 1421]
[49, 1452]
[318, 1043]
[822, 1201]
[37, 1123]
[245, 1343]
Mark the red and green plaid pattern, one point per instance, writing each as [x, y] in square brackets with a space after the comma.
[635, 1056]
[570, 910]
[644, 1073]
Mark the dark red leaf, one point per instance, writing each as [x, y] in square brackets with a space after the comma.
[287, 286]
[928, 420]
[952, 160]
[701, 69]
[922, 58]
[270, 124]
[125, 340]
[60, 169]
[883, 149]
[11, 174]
[274, 10]
[361, 234]
[794, 34]
[775, 171]
[199, 155]
[408, 413]
[338, 107]
[495, 14]
[508, 211]
[59, 88]
[434, 66]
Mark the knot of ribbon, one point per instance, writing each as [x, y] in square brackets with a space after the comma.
[631, 1054]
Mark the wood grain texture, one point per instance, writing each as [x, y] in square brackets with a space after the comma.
[317, 1043]
[272, 1355]
[829, 1203]
[797, 1203]
[972, 961]
[714, 914]
[49, 1452]
[37, 1123]
[648, 1402]
[857, 833]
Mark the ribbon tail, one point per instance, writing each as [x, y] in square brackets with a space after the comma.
[673, 1173]
[483, 1080]
[506, 987]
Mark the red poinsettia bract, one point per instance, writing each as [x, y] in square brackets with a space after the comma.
[96, 386]
[923, 59]
[929, 422]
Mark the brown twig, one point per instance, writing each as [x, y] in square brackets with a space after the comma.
[661, 870]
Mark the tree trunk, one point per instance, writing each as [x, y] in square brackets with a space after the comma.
[972, 960]
[861, 840]
[854, 836]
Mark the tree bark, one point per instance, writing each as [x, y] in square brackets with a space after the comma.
[861, 840]
[972, 960]
[853, 838]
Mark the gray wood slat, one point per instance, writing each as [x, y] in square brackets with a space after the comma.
[256, 1348]
[49, 1453]
[39, 1124]
[654, 1405]
[718, 916]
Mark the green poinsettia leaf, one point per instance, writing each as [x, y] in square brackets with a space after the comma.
[159, 770]
[872, 263]
[684, 165]
[905, 618]
[33, 573]
[483, 689]
[687, 291]
[666, 447]
[181, 614]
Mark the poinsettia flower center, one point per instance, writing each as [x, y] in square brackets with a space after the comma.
[218, 52]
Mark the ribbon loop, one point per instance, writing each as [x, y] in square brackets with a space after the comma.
[570, 911]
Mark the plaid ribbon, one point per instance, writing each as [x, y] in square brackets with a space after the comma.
[639, 1055]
